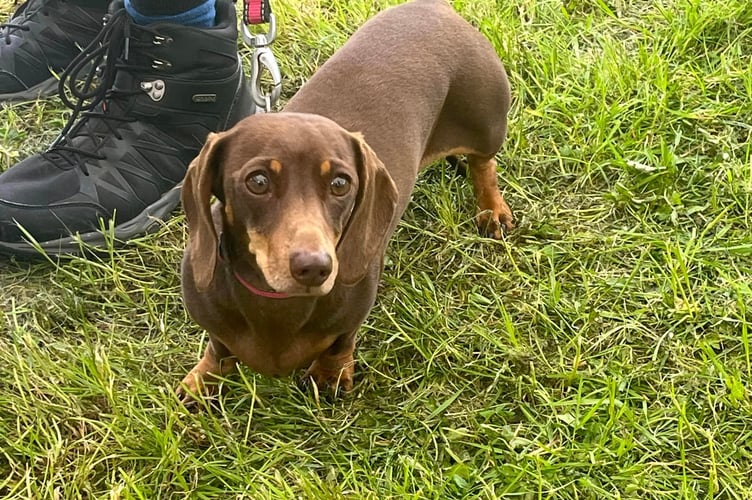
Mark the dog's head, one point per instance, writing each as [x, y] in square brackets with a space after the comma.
[309, 200]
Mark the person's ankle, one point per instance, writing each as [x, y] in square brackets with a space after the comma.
[198, 14]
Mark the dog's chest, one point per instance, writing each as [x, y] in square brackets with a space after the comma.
[278, 349]
[276, 338]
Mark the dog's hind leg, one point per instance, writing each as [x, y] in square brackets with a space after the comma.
[494, 215]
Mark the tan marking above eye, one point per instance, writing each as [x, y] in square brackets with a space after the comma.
[326, 167]
[275, 166]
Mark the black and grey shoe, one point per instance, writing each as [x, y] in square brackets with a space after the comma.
[40, 40]
[120, 160]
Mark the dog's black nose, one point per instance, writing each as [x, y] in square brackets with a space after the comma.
[310, 268]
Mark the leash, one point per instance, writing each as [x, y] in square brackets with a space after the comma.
[257, 12]
[224, 258]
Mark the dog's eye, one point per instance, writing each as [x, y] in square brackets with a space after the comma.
[340, 185]
[258, 183]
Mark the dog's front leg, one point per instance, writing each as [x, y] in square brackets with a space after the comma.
[202, 379]
[335, 367]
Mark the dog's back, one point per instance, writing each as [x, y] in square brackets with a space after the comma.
[414, 93]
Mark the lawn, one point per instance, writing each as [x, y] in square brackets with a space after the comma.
[601, 351]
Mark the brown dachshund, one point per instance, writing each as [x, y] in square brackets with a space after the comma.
[283, 268]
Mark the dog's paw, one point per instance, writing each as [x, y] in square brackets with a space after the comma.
[495, 223]
[194, 387]
[332, 378]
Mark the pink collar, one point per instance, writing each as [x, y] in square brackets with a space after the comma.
[257, 291]
[248, 286]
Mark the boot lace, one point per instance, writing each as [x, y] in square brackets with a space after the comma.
[87, 87]
[19, 19]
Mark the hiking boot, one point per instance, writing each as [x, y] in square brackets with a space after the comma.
[39, 41]
[119, 161]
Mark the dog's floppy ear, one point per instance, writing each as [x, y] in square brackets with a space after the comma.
[365, 236]
[196, 198]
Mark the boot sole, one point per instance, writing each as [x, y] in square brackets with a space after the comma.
[96, 241]
[45, 89]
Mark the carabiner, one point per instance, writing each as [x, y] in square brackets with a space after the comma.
[260, 39]
[263, 59]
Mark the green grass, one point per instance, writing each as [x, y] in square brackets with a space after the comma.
[601, 351]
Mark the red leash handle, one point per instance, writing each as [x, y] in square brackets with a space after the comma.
[256, 11]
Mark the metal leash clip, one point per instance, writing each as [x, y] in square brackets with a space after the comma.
[263, 61]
